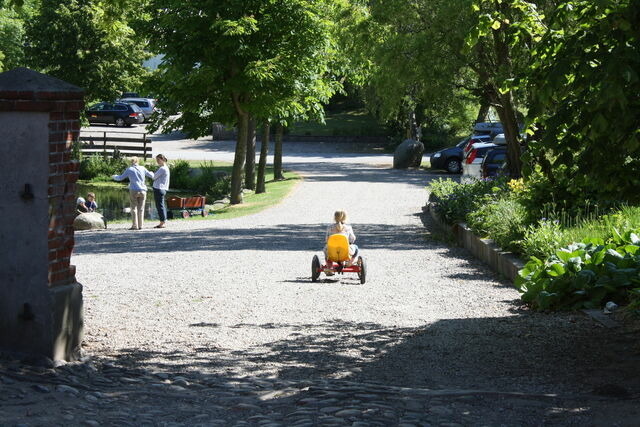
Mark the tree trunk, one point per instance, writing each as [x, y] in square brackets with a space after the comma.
[485, 104]
[413, 125]
[512, 135]
[277, 154]
[508, 115]
[240, 156]
[250, 163]
[262, 164]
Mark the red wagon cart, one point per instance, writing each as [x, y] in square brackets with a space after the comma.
[187, 206]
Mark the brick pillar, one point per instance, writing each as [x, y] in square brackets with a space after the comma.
[40, 300]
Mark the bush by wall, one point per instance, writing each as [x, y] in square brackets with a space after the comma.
[561, 274]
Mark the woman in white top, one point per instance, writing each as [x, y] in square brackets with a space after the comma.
[160, 187]
[137, 191]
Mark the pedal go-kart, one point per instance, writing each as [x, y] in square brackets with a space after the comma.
[338, 260]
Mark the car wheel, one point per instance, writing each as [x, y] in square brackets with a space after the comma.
[120, 122]
[454, 166]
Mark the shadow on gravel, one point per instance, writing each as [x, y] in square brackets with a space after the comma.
[352, 173]
[291, 237]
[564, 354]
[348, 279]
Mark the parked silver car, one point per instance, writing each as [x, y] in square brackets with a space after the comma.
[147, 105]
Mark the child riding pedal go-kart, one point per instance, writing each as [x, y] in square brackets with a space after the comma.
[341, 254]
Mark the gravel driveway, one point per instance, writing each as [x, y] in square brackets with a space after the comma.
[234, 298]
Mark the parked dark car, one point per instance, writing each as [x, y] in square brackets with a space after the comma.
[493, 161]
[147, 105]
[130, 95]
[450, 158]
[118, 113]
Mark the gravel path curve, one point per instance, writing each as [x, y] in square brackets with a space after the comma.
[234, 298]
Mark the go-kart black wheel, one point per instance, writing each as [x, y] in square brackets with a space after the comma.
[363, 270]
[315, 268]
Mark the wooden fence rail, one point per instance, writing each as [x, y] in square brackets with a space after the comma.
[107, 144]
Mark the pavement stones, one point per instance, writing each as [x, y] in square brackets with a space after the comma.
[206, 399]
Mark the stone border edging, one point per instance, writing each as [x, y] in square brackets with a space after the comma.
[505, 263]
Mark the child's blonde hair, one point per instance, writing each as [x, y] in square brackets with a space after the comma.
[340, 217]
[92, 195]
[133, 160]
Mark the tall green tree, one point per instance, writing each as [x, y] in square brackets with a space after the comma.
[499, 43]
[89, 43]
[584, 81]
[225, 60]
[13, 17]
[412, 55]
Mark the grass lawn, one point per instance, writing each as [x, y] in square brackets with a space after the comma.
[346, 123]
[254, 203]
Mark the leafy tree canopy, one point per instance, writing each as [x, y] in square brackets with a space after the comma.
[585, 108]
[89, 43]
[221, 58]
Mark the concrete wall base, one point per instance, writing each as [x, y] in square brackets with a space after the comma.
[67, 322]
[502, 262]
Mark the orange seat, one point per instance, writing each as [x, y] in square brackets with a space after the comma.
[338, 248]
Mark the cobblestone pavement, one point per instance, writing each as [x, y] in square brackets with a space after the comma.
[217, 323]
[95, 394]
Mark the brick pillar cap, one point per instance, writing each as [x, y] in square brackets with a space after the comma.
[23, 83]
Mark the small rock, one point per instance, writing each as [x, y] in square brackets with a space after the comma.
[413, 405]
[610, 307]
[7, 380]
[181, 383]
[440, 410]
[40, 388]
[330, 409]
[348, 413]
[246, 407]
[90, 398]
[67, 389]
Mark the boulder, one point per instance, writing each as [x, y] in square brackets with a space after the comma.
[408, 154]
[89, 221]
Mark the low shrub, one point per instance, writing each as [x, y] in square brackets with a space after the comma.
[583, 275]
[180, 178]
[542, 239]
[218, 189]
[503, 220]
[454, 201]
[211, 182]
[101, 168]
[548, 235]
